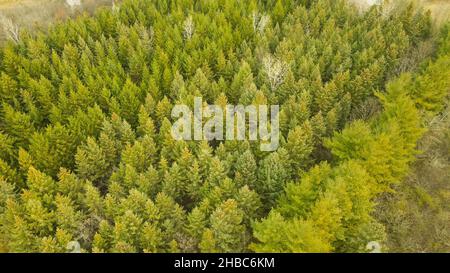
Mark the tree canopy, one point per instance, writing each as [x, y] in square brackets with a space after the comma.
[85, 147]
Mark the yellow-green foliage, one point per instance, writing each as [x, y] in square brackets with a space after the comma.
[370, 158]
[86, 152]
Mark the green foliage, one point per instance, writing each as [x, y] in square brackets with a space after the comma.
[416, 215]
[332, 206]
[227, 228]
[86, 151]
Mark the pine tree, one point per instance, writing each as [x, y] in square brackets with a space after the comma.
[173, 183]
[208, 243]
[352, 143]
[241, 80]
[146, 124]
[226, 225]
[300, 145]
[275, 234]
[102, 241]
[432, 85]
[126, 232]
[49, 149]
[245, 170]
[151, 238]
[249, 202]
[141, 155]
[41, 185]
[17, 124]
[196, 224]
[91, 162]
[273, 174]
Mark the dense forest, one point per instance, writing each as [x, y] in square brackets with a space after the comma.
[87, 155]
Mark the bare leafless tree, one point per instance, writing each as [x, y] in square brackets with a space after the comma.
[12, 30]
[188, 28]
[260, 22]
[115, 7]
[275, 70]
[73, 3]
